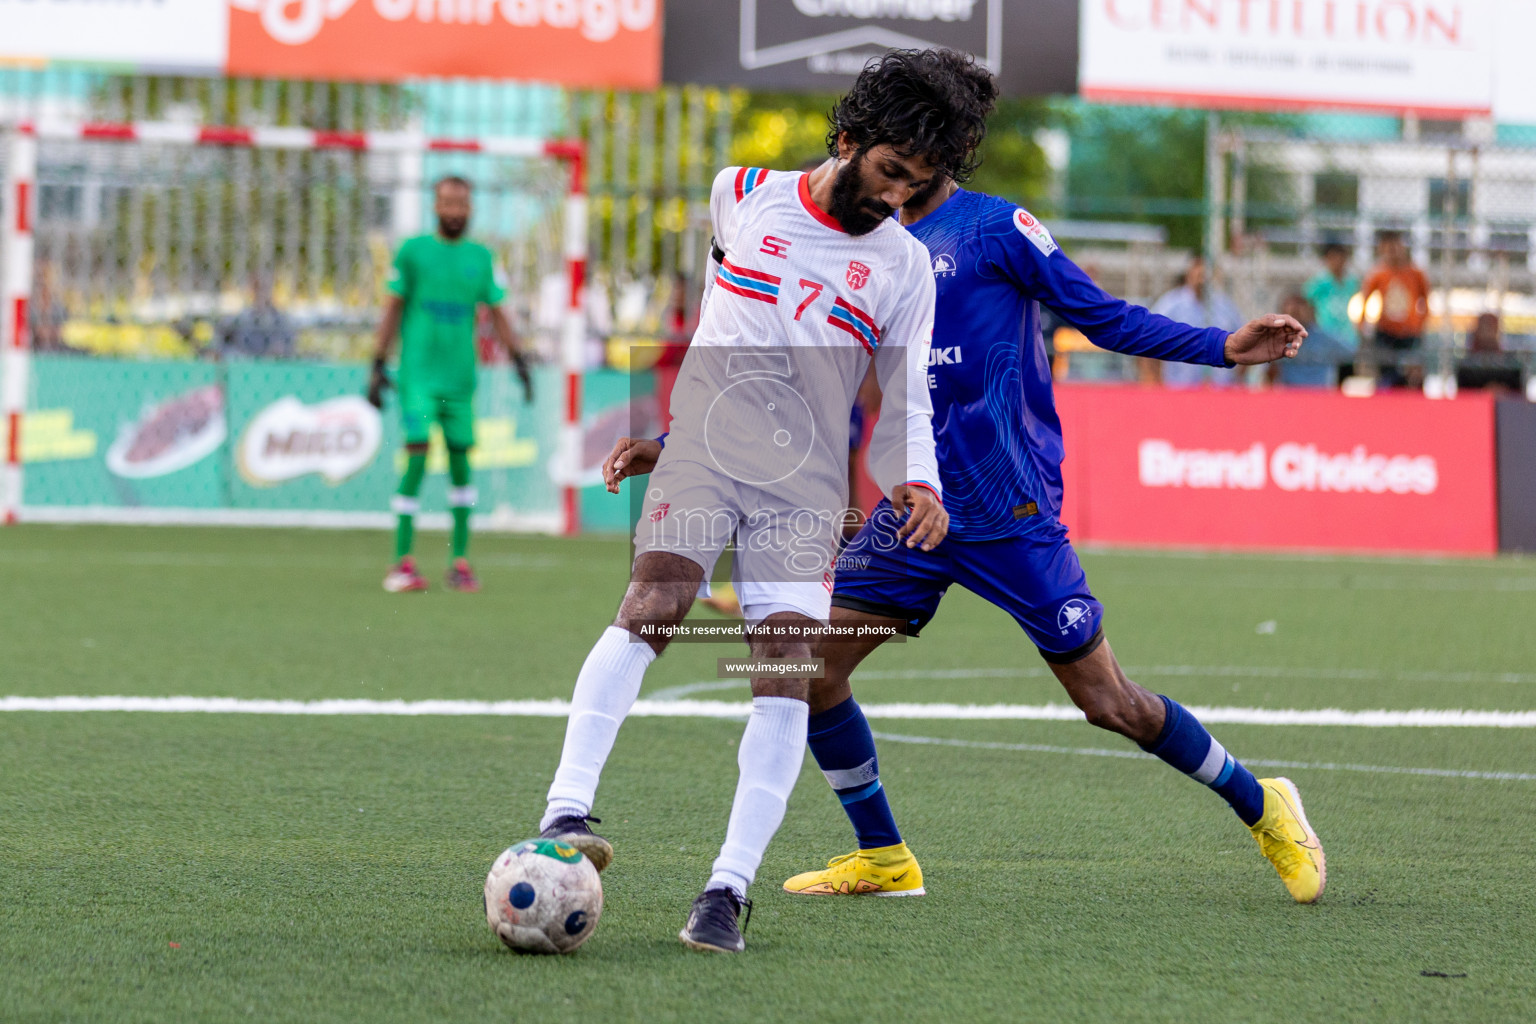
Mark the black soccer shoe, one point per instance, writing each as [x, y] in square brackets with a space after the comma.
[574, 831]
[712, 922]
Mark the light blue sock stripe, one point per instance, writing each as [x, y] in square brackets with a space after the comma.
[1226, 772]
[856, 795]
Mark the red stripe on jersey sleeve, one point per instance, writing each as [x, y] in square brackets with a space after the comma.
[756, 275]
[845, 326]
[858, 314]
[772, 300]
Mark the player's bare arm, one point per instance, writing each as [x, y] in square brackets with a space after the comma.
[1266, 339]
[631, 456]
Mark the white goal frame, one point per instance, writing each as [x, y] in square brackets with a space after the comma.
[17, 253]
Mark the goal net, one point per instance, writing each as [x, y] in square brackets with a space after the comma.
[191, 313]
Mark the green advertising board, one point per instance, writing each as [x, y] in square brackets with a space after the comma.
[275, 437]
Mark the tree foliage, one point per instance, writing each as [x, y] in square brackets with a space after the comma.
[785, 130]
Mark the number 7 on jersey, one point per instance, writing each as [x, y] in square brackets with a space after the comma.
[815, 289]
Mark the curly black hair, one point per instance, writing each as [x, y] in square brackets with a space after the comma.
[929, 102]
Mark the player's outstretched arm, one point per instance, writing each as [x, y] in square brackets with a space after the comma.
[631, 456]
[1271, 337]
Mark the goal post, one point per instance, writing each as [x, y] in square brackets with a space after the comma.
[195, 277]
[16, 213]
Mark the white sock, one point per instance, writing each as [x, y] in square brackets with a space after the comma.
[605, 691]
[772, 750]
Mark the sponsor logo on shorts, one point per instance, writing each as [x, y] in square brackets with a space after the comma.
[1072, 614]
[660, 511]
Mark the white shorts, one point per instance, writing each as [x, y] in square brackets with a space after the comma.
[783, 553]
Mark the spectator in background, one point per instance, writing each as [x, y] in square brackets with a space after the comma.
[1317, 366]
[260, 330]
[1329, 293]
[1486, 366]
[1404, 292]
[1194, 302]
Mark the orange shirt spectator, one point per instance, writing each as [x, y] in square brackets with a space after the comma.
[1404, 294]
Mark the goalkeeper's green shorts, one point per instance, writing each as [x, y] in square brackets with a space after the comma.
[421, 407]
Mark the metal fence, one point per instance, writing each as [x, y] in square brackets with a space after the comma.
[154, 249]
[1461, 198]
[143, 252]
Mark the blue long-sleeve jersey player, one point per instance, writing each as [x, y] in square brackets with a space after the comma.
[999, 446]
[995, 427]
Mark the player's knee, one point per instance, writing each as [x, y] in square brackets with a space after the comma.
[785, 635]
[649, 609]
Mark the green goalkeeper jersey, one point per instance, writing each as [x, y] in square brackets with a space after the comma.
[441, 282]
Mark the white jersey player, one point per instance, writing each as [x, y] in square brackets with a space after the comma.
[794, 310]
[812, 280]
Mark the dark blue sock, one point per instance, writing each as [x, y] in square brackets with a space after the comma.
[845, 751]
[1186, 745]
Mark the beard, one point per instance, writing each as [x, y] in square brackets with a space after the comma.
[857, 214]
[452, 227]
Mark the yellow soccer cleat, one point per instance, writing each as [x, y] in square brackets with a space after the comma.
[883, 871]
[1289, 842]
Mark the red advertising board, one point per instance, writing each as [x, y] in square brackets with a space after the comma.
[1279, 469]
[582, 43]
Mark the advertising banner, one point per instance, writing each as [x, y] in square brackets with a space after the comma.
[1279, 469]
[1514, 86]
[105, 435]
[580, 43]
[1431, 56]
[820, 45]
[170, 35]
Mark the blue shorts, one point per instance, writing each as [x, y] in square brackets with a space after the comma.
[1037, 580]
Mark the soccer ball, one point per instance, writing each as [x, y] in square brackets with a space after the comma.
[543, 897]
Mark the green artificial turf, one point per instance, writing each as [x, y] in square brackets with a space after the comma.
[329, 869]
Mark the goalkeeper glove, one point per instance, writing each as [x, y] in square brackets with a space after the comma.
[520, 364]
[378, 383]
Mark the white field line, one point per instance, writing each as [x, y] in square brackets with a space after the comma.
[1041, 748]
[1148, 671]
[1419, 718]
[216, 560]
[1227, 671]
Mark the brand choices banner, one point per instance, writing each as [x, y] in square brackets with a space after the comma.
[1280, 469]
[1435, 56]
[581, 43]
